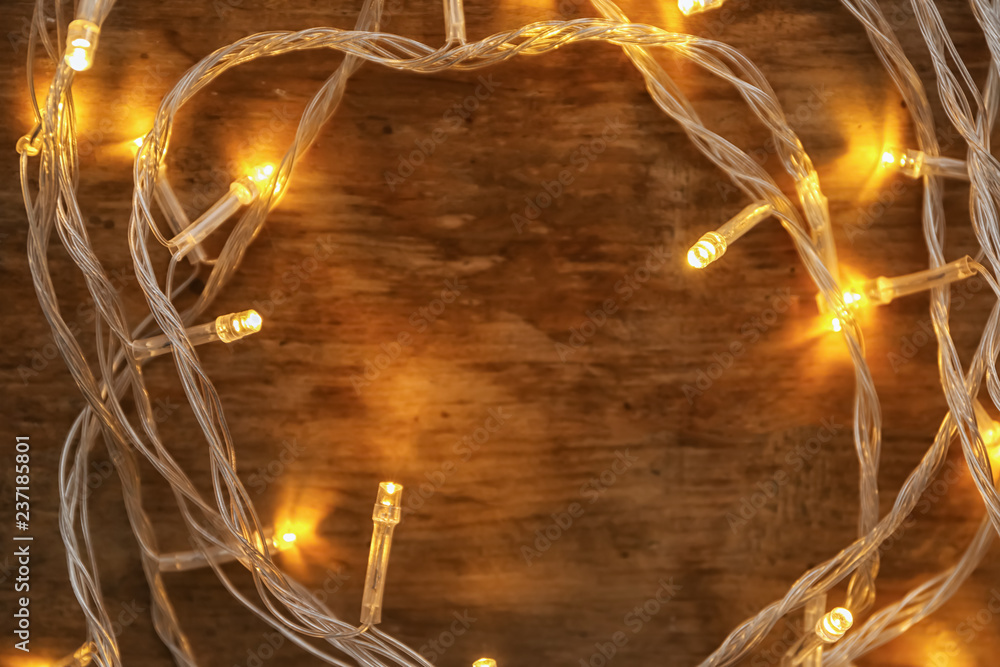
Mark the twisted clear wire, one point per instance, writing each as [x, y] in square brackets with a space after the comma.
[227, 518]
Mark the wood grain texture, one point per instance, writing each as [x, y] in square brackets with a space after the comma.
[350, 262]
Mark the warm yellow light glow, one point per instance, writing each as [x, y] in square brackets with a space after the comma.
[689, 7]
[485, 662]
[285, 542]
[989, 431]
[390, 494]
[853, 301]
[388, 512]
[909, 162]
[292, 534]
[917, 164]
[261, 173]
[991, 437]
[235, 326]
[78, 59]
[248, 322]
[834, 624]
[253, 320]
[700, 255]
[709, 248]
[81, 43]
[136, 144]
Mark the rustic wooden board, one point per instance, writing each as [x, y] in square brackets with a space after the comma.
[348, 264]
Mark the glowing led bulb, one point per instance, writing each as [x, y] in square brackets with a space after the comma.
[689, 7]
[234, 326]
[908, 162]
[882, 290]
[485, 662]
[712, 245]
[834, 624]
[79, 59]
[709, 248]
[284, 541]
[989, 431]
[829, 628]
[387, 513]
[182, 561]
[81, 42]
[241, 193]
[916, 164]
[135, 146]
[227, 328]
[261, 173]
[853, 299]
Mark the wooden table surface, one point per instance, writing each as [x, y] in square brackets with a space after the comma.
[709, 477]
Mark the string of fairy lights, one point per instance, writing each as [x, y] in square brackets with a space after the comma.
[225, 526]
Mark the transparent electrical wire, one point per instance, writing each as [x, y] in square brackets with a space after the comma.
[226, 521]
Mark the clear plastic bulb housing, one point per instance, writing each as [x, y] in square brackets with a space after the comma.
[709, 248]
[227, 328]
[232, 327]
[387, 513]
[882, 290]
[917, 164]
[241, 193]
[81, 43]
[454, 21]
[712, 245]
[834, 624]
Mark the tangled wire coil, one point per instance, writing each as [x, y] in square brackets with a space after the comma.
[228, 522]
